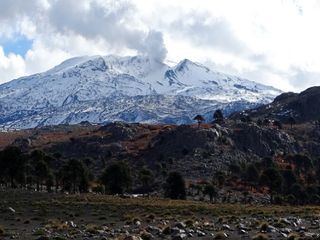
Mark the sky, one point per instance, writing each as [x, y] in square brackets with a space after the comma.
[274, 42]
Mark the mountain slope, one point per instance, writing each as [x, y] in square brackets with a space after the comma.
[101, 89]
[302, 107]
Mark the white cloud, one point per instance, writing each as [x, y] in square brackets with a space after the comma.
[270, 41]
[11, 66]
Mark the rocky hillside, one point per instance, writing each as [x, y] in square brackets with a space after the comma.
[195, 152]
[303, 107]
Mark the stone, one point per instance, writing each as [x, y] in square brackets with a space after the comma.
[11, 209]
[177, 230]
[200, 233]
[286, 230]
[154, 230]
[181, 225]
[132, 238]
[226, 227]
[179, 236]
[137, 223]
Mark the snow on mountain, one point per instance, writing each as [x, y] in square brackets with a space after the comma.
[135, 89]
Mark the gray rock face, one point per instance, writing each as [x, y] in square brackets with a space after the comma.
[261, 140]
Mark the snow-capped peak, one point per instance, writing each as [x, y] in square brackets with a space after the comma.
[50, 97]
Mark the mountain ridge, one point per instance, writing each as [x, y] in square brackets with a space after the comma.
[83, 85]
[289, 107]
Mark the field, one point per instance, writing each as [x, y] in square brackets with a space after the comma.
[31, 215]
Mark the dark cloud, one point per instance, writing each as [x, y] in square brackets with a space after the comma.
[13, 9]
[109, 22]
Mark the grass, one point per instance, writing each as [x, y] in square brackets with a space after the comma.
[92, 228]
[56, 224]
[156, 205]
[152, 208]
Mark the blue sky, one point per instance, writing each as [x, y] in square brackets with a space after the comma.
[18, 45]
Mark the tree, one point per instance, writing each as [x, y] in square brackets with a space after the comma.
[49, 182]
[13, 164]
[116, 178]
[175, 187]
[277, 124]
[298, 191]
[291, 121]
[41, 172]
[219, 178]
[235, 168]
[218, 116]
[267, 162]
[259, 122]
[199, 119]
[251, 174]
[75, 176]
[288, 179]
[146, 179]
[272, 179]
[211, 191]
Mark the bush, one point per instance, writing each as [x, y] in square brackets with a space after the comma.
[221, 235]
[278, 199]
[2, 231]
[175, 187]
[291, 199]
[264, 226]
[293, 236]
[189, 222]
[146, 236]
[315, 199]
[261, 236]
[166, 230]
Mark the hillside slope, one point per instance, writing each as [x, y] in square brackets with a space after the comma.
[302, 107]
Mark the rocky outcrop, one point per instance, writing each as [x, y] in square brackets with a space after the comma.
[303, 107]
[262, 141]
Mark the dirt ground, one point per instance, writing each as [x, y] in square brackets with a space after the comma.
[31, 215]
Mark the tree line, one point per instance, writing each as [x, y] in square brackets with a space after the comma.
[39, 171]
[294, 182]
[293, 179]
